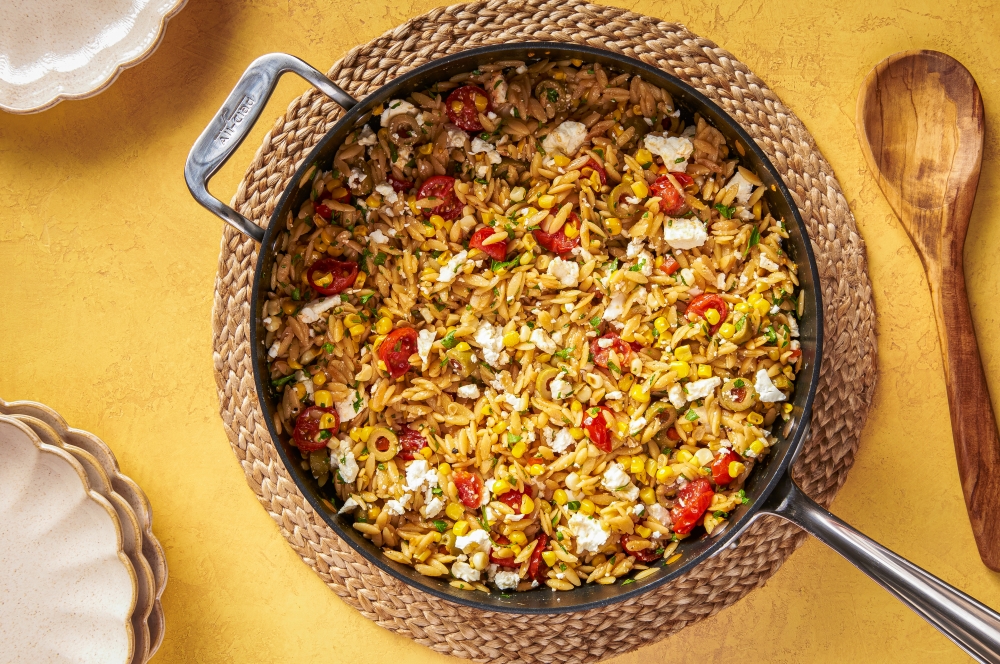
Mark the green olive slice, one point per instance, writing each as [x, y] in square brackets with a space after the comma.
[383, 443]
[542, 381]
[738, 395]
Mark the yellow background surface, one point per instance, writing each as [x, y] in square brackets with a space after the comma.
[107, 268]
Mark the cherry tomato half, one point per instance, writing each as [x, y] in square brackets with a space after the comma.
[441, 187]
[701, 303]
[597, 423]
[411, 442]
[536, 571]
[692, 500]
[470, 488]
[558, 242]
[497, 251]
[328, 276]
[324, 211]
[671, 200]
[611, 342]
[502, 562]
[644, 556]
[720, 467]
[670, 265]
[399, 186]
[512, 499]
[307, 434]
[396, 350]
[601, 173]
[461, 107]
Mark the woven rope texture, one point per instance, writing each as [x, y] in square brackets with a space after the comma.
[838, 414]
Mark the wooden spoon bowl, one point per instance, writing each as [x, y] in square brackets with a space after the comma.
[920, 121]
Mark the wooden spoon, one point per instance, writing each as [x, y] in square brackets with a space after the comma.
[920, 121]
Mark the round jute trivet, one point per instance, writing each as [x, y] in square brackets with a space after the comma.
[838, 413]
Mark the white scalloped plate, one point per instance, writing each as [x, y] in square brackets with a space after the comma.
[52, 50]
[67, 590]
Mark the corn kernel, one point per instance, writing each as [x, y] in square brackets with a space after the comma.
[625, 382]
[461, 527]
[383, 326]
[327, 420]
[373, 201]
[712, 316]
[664, 474]
[359, 281]
[704, 371]
[528, 242]
[323, 398]
[426, 452]
[576, 406]
[324, 279]
[319, 379]
[428, 231]
[288, 308]
[787, 408]
[560, 497]
[558, 75]
[426, 148]
[639, 393]
[644, 157]
[536, 469]
[683, 353]
[755, 418]
[373, 512]
[577, 433]
[647, 495]
[637, 465]
[511, 339]
[587, 507]
[643, 531]
[754, 298]
[640, 189]
[457, 106]
[562, 161]
[381, 366]
[516, 548]
[736, 468]
[378, 109]
[571, 230]
[549, 557]
[614, 225]
[519, 538]
[519, 449]
[726, 331]
[661, 324]
[757, 447]
[294, 364]
[463, 346]
[744, 308]
[500, 427]
[501, 487]
[454, 511]
[762, 307]
[546, 201]
[684, 456]
[682, 369]
[774, 354]
[357, 330]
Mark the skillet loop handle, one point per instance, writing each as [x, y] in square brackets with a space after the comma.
[974, 627]
[233, 122]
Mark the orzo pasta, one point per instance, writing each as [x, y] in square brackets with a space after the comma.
[533, 327]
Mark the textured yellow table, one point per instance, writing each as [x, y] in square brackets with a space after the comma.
[107, 268]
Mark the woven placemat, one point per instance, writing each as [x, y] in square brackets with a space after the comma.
[847, 375]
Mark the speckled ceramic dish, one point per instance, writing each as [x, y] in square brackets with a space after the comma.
[72, 49]
[68, 589]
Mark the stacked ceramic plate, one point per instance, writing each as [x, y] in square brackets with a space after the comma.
[82, 572]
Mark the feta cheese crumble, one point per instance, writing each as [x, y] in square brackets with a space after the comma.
[660, 513]
[378, 236]
[560, 389]
[350, 408]
[476, 540]
[451, 269]
[490, 338]
[418, 473]
[743, 187]
[311, 312]
[468, 391]
[700, 389]
[684, 233]
[463, 571]
[367, 136]
[766, 390]
[506, 580]
[562, 441]
[618, 482]
[479, 146]
[590, 536]
[565, 139]
[345, 461]
[615, 308]
[672, 150]
[567, 272]
[388, 194]
[767, 263]
[425, 339]
[542, 341]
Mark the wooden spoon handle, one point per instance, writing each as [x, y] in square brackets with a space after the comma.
[973, 424]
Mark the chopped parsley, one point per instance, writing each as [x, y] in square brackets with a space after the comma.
[296, 295]
[738, 382]
[637, 266]
[380, 258]
[440, 525]
[282, 381]
[726, 212]
[595, 321]
[573, 505]
[365, 298]
[449, 340]
[690, 416]
[628, 581]
[754, 240]
[503, 265]
[743, 497]
[564, 353]
[328, 348]
[769, 332]
[511, 439]
[437, 491]
[552, 94]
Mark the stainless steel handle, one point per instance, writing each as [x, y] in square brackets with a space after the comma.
[233, 122]
[974, 627]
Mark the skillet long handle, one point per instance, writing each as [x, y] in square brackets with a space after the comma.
[973, 626]
[233, 122]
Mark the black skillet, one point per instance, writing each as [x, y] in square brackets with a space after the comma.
[971, 625]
